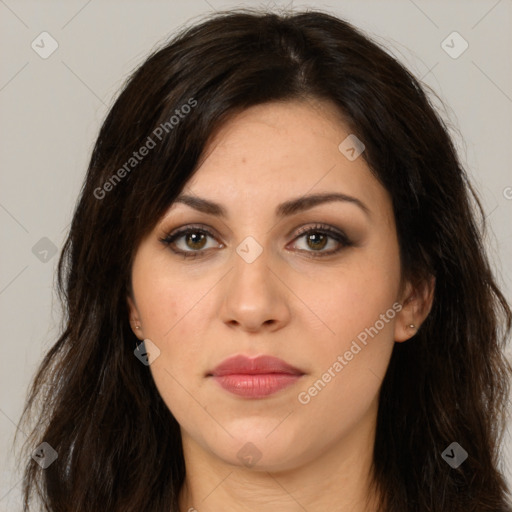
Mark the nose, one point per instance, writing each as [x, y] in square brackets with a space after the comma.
[255, 298]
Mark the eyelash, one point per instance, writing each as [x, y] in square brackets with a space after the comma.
[322, 229]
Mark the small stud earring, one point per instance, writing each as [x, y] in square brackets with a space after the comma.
[412, 326]
[137, 327]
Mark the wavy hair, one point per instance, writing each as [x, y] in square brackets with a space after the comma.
[119, 447]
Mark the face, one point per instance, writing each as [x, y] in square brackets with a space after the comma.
[316, 284]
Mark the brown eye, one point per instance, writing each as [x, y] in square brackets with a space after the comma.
[317, 238]
[193, 241]
[190, 242]
[196, 240]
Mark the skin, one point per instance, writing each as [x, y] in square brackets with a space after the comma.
[286, 303]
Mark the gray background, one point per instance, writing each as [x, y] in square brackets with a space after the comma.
[51, 111]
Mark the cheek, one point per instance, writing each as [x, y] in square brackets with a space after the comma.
[164, 296]
[358, 311]
[348, 300]
[172, 320]
[353, 360]
[169, 303]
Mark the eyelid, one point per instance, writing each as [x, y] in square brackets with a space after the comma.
[184, 229]
[330, 231]
[320, 227]
[336, 234]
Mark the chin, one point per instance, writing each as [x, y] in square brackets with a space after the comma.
[261, 446]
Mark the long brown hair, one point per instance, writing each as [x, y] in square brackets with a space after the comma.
[119, 447]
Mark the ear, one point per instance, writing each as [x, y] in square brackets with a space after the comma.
[134, 318]
[416, 301]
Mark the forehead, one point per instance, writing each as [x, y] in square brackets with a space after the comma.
[274, 151]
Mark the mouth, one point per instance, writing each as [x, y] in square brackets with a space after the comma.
[254, 377]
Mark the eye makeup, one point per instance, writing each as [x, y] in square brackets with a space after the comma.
[319, 235]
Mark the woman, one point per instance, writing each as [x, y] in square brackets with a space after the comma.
[277, 295]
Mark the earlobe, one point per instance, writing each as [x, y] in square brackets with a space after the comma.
[404, 331]
[134, 318]
[416, 306]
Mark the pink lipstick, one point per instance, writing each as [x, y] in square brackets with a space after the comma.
[255, 377]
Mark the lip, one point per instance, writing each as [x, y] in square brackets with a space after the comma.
[255, 377]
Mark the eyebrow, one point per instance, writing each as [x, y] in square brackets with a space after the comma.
[290, 207]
